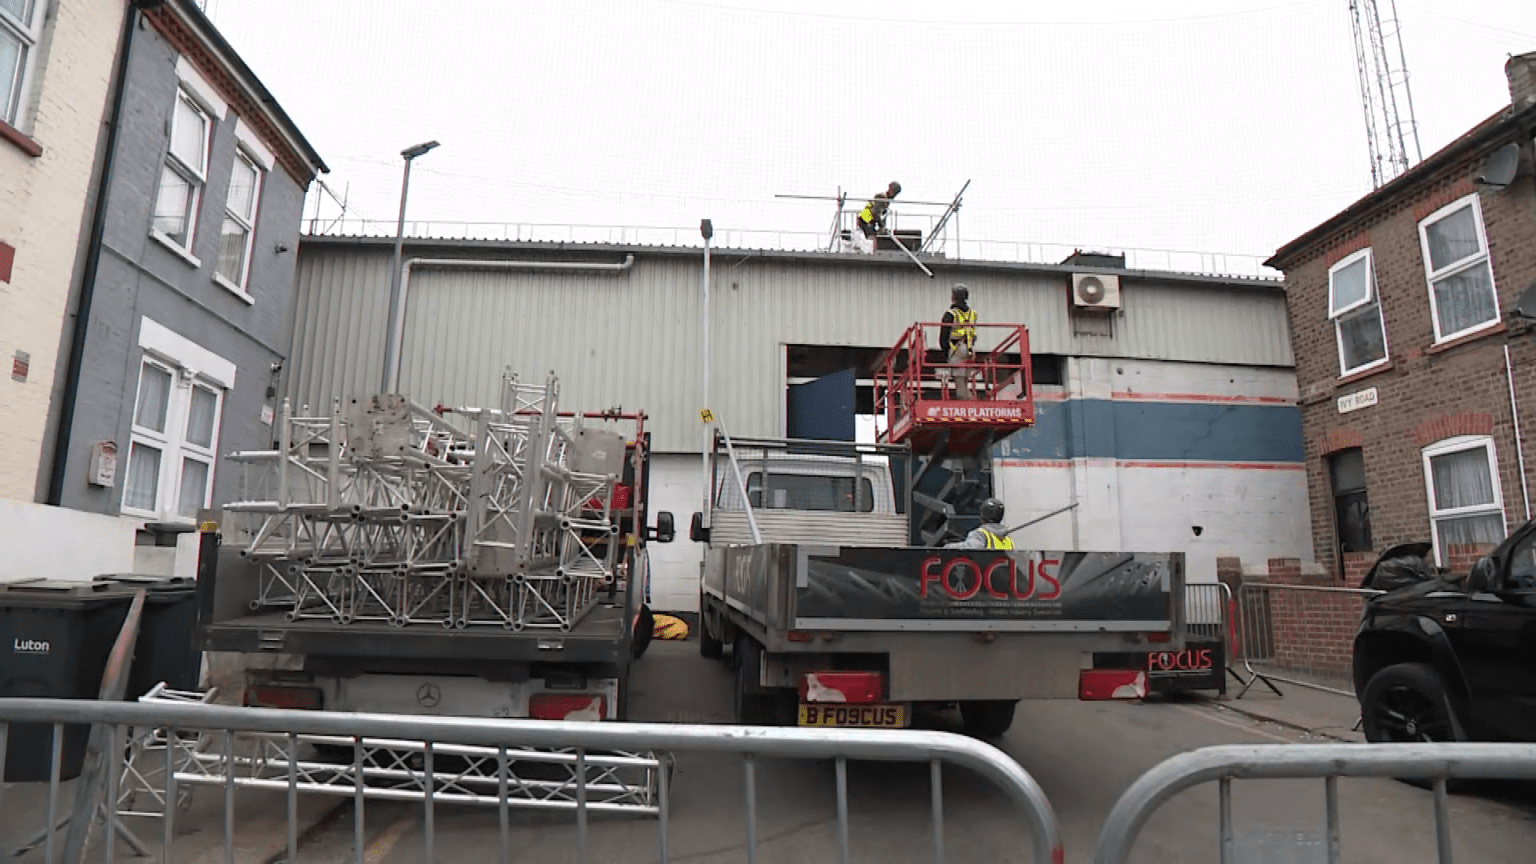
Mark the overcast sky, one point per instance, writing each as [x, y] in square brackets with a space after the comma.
[1210, 125]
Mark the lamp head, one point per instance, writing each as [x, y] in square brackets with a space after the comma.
[418, 150]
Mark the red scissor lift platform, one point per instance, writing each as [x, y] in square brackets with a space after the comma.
[915, 392]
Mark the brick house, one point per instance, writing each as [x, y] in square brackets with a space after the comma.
[1411, 362]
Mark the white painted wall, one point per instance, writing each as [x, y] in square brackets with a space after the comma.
[676, 485]
[42, 542]
[1252, 514]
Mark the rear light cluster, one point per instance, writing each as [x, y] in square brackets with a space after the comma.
[277, 696]
[858, 688]
[1098, 685]
[567, 706]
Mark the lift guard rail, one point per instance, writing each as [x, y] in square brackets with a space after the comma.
[1436, 762]
[840, 745]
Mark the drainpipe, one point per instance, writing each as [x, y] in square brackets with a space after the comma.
[81, 328]
[1514, 410]
[397, 339]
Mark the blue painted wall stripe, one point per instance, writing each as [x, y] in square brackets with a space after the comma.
[1159, 431]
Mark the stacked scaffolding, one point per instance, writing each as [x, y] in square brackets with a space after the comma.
[384, 511]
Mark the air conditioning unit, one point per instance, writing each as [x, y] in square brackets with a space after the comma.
[1095, 291]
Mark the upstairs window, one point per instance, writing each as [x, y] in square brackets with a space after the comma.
[183, 174]
[1461, 294]
[1355, 309]
[239, 222]
[21, 26]
[1466, 506]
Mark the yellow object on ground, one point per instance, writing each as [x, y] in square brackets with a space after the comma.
[667, 627]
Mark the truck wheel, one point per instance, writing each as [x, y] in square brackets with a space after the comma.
[645, 629]
[754, 705]
[710, 646]
[987, 719]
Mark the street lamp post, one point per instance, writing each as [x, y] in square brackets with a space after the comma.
[396, 319]
[707, 229]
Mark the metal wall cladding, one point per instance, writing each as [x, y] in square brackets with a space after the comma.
[631, 339]
[731, 528]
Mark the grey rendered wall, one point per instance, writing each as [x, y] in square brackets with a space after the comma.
[631, 339]
[139, 277]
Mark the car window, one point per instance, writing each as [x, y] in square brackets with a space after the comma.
[810, 492]
[1522, 565]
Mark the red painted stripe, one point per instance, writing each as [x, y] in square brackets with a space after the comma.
[1202, 397]
[1136, 463]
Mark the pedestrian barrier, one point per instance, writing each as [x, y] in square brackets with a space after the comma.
[1434, 762]
[1299, 634]
[198, 745]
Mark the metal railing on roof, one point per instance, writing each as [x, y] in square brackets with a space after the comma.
[1003, 251]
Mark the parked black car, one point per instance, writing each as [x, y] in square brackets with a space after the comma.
[1438, 658]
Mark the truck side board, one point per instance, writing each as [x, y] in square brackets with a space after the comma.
[866, 589]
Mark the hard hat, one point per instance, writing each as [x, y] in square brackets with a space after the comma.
[895, 188]
[991, 510]
[960, 292]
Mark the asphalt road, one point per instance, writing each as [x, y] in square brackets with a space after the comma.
[1083, 755]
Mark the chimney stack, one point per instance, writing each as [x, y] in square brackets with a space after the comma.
[1521, 72]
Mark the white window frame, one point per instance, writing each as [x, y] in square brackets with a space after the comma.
[197, 175]
[242, 287]
[191, 366]
[1371, 297]
[1457, 445]
[1481, 257]
[30, 34]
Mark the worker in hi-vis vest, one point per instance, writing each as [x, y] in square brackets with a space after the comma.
[872, 217]
[990, 534]
[959, 339]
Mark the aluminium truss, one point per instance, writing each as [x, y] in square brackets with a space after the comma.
[383, 511]
[385, 769]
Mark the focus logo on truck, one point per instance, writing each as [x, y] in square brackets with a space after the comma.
[1195, 660]
[30, 646]
[961, 578]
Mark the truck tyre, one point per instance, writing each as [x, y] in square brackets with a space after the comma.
[710, 646]
[645, 628]
[754, 706]
[987, 719]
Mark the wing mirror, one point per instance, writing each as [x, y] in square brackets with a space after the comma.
[696, 530]
[1483, 576]
[666, 529]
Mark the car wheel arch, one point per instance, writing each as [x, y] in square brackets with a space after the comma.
[1407, 639]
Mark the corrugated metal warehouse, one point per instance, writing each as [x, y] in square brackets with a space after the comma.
[1171, 422]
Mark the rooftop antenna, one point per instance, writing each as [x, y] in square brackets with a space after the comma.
[1384, 94]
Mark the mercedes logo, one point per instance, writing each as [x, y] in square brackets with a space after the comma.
[428, 696]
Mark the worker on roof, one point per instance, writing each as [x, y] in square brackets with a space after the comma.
[959, 339]
[990, 534]
[872, 217]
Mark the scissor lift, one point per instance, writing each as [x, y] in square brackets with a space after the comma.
[951, 438]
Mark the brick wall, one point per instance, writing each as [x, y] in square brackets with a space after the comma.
[1310, 634]
[1427, 392]
[42, 215]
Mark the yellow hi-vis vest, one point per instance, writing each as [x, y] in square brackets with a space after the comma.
[996, 542]
[959, 333]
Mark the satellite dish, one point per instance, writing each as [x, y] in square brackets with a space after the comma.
[1091, 289]
[1501, 166]
[1525, 307]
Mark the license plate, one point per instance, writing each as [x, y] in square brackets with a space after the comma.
[859, 716]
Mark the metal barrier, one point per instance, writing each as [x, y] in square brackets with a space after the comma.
[1436, 762]
[174, 720]
[1299, 634]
